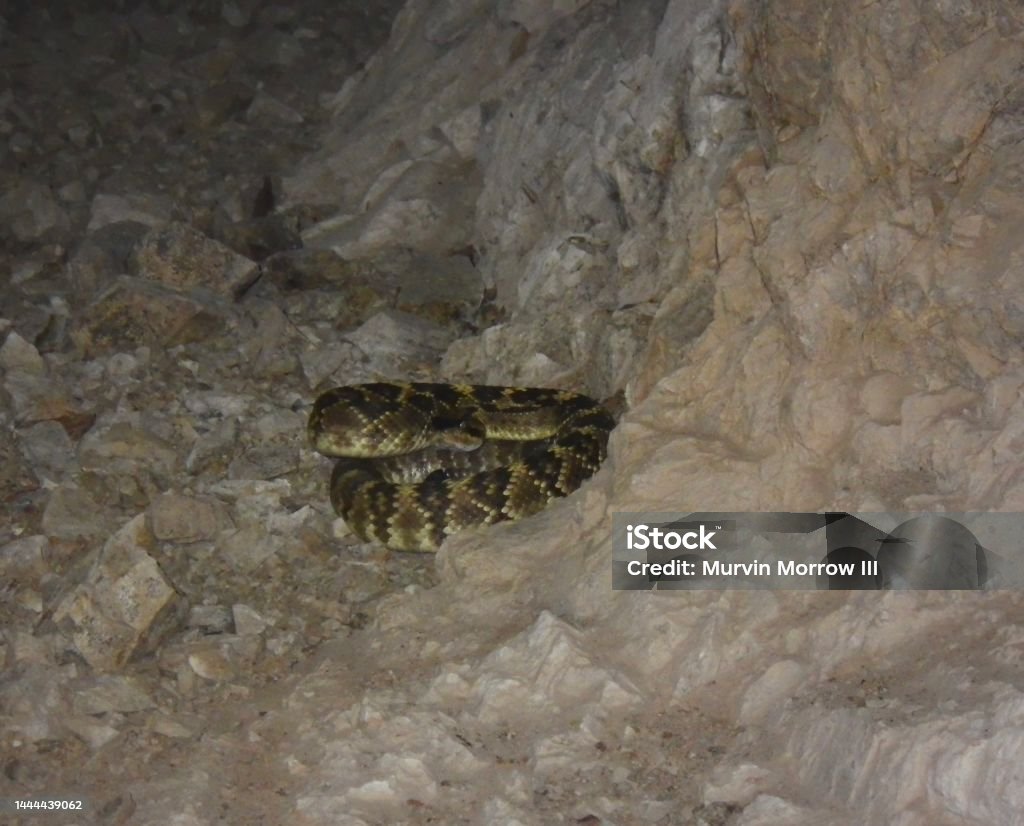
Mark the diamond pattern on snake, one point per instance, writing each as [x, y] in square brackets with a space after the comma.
[419, 461]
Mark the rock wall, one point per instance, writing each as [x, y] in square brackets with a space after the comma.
[779, 230]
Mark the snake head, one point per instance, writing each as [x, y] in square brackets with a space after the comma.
[462, 431]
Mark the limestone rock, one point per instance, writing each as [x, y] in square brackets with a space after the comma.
[120, 605]
[134, 311]
[185, 519]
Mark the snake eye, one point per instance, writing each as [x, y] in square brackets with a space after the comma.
[464, 432]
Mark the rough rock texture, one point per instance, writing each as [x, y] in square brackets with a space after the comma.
[786, 234]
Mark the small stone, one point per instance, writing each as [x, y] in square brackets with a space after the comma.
[148, 210]
[120, 448]
[136, 311]
[269, 109]
[118, 606]
[79, 134]
[967, 229]
[26, 649]
[36, 397]
[265, 463]
[248, 621]
[248, 548]
[222, 658]
[48, 448]
[213, 403]
[72, 193]
[185, 519]
[395, 341]
[34, 701]
[235, 14]
[339, 357]
[71, 513]
[221, 102]
[280, 422]
[104, 693]
[23, 559]
[212, 619]
[211, 664]
[16, 354]
[30, 599]
[30, 211]
[179, 726]
[103, 255]
[93, 733]
[181, 257]
[120, 367]
[213, 448]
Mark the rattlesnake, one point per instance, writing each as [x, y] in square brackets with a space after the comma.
[421, 461]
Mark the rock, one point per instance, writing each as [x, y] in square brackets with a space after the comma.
[30, 213]
[48, 449]
[71, 513]
[134, 311]
[35, 702]
[103, 255]
[36, 397]
[122, 603]
[340, 358]
[771, 690]
[420, 204]
[310, 269]
[395, 342]
[213, 448]
[221, 102]
[122, 368]
[104, 693]
[17, 355]
[179, 726]
[545, 667]
[258, 239]
[278, 424]
[35, 649]
[211, 619]
[439, 288]
[120, 448]
[224, 657]
[94, 733]
[179, 257]
[247, 548]
[265, 107]
[186, 519]
[248, 621]
[22, 561]
[145, 210]
[264, 463]
[883, 395]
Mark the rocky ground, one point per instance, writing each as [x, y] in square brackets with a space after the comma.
[785, 241]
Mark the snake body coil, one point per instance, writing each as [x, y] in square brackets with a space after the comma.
[420, 461]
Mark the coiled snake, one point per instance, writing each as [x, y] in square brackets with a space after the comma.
[420, 461]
